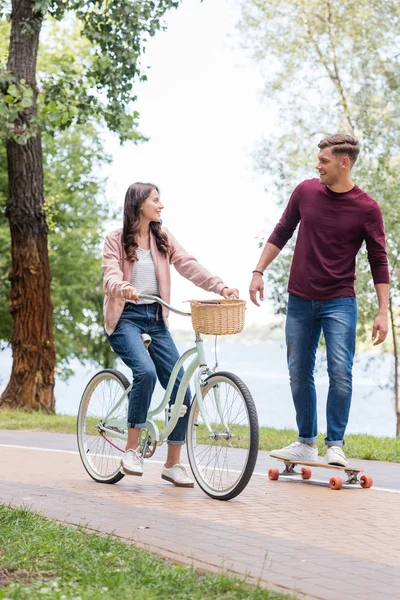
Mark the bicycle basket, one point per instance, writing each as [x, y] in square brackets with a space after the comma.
[217, 317]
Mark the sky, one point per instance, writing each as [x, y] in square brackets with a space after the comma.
[203, 110]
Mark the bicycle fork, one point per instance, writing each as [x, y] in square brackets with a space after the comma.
[198, 384]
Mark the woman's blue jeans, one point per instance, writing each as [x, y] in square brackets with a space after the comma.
[305, 320]
[146, 366]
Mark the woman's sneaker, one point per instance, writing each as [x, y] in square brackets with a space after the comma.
[131, 463]
[296, 452]
[336, 456]
[177, 475]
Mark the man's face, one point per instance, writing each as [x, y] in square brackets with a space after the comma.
[329, 167]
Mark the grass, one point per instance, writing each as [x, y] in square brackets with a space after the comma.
[357, 446]
[44, 559]
[36, 421]
[362, 446]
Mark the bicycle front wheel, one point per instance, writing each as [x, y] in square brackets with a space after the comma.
[223, 459]
[100, 446]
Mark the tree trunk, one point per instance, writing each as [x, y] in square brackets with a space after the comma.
[31, 385]
[396, 368]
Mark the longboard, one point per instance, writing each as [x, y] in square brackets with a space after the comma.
[335, 483]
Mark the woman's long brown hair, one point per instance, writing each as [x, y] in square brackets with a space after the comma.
[135, 196]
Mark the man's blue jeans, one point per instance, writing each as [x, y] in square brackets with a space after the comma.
[305, 320]
[159, 361]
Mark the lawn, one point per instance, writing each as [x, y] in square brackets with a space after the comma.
[357, 446]
[44, 559]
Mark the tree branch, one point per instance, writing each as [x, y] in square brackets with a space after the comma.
[396, 366]
[336, 79]
[333, 73]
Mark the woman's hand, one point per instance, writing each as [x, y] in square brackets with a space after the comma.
[129, 293]
[228, 292]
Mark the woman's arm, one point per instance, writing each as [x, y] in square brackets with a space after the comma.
[113, 282]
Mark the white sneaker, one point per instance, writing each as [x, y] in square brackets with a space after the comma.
[297, 452]
[131, 463]
[177, 475]
[336, 456]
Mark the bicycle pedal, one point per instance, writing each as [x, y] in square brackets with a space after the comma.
[182, 412]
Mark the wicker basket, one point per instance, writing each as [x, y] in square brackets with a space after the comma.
[218, 317]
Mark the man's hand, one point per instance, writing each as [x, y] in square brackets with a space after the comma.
[256, 285]
[228, 292]
[381, 328]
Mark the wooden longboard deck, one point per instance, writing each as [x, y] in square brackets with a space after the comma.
[335, 483]
[318, 464]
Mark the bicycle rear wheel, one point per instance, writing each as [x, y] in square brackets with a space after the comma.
[223, 461]
[101, 449]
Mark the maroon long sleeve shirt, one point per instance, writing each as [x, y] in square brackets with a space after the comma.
[332, 228]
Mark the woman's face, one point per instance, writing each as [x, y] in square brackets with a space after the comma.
[152, 207]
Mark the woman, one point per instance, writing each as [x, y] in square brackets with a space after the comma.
[136, 260]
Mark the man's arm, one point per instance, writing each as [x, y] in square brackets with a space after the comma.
[380, 326]
[276, 241]
[377, 257]
[269, 253]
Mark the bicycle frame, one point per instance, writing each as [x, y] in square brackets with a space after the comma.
[199, 364]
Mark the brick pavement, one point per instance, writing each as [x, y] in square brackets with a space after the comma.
[291, 536]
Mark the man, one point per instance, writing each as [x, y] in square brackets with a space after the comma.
[335, 218]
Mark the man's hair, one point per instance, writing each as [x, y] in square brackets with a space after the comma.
[342, 144]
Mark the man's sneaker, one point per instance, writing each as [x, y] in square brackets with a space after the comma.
[336, 456]
[131, 463]
[297, 452]
[177, 475]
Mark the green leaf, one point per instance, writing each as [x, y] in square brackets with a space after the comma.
[26, 102]
[13, 91]
[51, 106]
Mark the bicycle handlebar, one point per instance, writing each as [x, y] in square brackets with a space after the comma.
[175, 310]
[157, 299]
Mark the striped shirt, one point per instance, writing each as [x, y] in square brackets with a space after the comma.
[144, 277]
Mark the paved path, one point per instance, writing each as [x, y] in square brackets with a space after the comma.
[291, 536]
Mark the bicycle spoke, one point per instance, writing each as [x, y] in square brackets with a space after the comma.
[101, 450]
[222, 461]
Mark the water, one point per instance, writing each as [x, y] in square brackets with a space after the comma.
[262, 366]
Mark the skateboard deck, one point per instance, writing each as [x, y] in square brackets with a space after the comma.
[305, 473]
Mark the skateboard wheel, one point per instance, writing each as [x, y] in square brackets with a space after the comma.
[366, 481]
[306, 473]
[335, 483]
[273, 474]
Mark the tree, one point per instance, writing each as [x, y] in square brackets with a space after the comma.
[333, 66]
[116, 32]
[75, 212]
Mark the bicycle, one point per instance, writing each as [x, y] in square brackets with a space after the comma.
[222, 433]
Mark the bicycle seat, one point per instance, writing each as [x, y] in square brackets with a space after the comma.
[146, 339]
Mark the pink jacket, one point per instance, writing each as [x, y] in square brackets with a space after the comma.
[118, 270]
